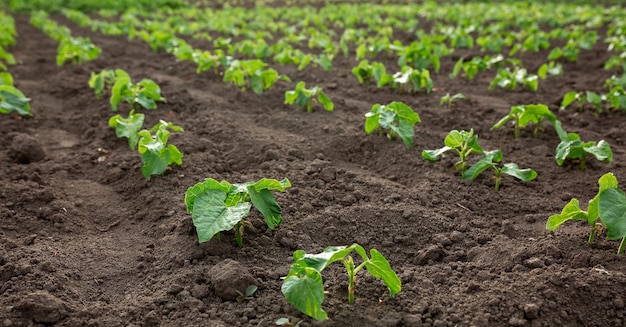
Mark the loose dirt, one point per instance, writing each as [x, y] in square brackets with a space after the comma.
[85, 240]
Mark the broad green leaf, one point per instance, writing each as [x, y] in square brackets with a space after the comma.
[406, 132]
[271, 185]
[379, 267]
[257, 84]
[612, 210]
[433, 155]
[601, 151]
[118, 91]
[211, 216]
[325, 101]
[305, 291]
[543, 71]
[607, 181]
[265, 202]
[570, 211]
[145, 101]
[404, 112]
[128, 127]
[483, 164]
[13, 100]
[455, 139]
[387, 118]
[208, 184]
[6, 78]
[155, 162]
[525, 175]
[329, 255]
[371, 121]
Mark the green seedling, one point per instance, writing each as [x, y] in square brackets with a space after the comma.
[302, 96]
[608, 206]
[128, 127]
[285, 322]
[583, 97]
[78, 50]
[550, 68]
[462, 142]
[492, 160]
[248, 295]
[13, 100]
[304, 288]
[448, 99]
[363, 72]
[104, 79]
[156, 154]
[396, 118]
[412, 79]
[145, 93]
[220, 206]
[572, 147]
[252, 73]
[507, 79]
[531, 113]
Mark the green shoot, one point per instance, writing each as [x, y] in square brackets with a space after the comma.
[526, 114]
[156, 154]
[572, 147]
[13, 100]
[128, 127]
[397, 118]
[304, 288]
[302, 96]
[221, 206]
[448, 99]
[250, 290]
[462, 142]
[492, 160]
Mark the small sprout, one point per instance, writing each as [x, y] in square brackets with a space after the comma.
[462, 142]
[448, 99]
[249, 292]
[156, 154]
[532, 113]
[396, 118]
[304, 288]
[492, 160]
[302, 96]
[572, 147]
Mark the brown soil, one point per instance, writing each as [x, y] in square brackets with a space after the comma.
[85, 240]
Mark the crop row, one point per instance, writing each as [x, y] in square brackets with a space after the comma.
[12, 100]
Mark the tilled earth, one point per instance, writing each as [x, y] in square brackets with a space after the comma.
[85, 240]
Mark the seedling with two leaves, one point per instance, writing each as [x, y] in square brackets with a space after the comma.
[128, 127]
[492, 160]
[302, 96]
[532, 113]
[606, 210]
[364, 73]
[396, 118]
[250, 290]
[156, 154]
[462, 142]
[304, 288]
[221, 206]
[252, 73]
[572, 147]
[145, 93]
[507, 79]
[448, 99]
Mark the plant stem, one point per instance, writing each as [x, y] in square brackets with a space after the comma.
[516, 131]
[498, 178]
[583, 161]
[622, 245]
[238, 234]
[592, 235]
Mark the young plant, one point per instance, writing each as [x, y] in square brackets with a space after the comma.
[363, 72]
[572, 147]
[462, 142]
[156, 154]
[583, 97]
[396, 118]
[78, 50]
[531, 113]
[449, 99]
[550, 68]
[13, 100]
[507, 79]
[250, 290]
[302, 96]
[417, 78]
[304, 288]
[608, 206]
[492, 160]
[145, 93]
[221, 206]
[128, 127]
[251, 73]
[104, 79]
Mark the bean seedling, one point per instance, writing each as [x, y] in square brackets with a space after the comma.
[302, 96]
[492, 159]
[303, 286]
[144, 93]
[448, 99]
[462, 142]
[250, 290]
[531, 113]
[572, 147]
[128, 127]
[221, 206]
[397, 118]
[13, 100]
[156, 154]
[608, 205]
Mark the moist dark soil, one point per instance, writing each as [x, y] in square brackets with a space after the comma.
[86, 240]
